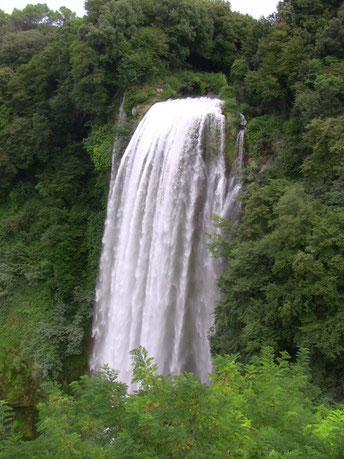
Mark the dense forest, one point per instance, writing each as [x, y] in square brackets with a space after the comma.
[279, 327]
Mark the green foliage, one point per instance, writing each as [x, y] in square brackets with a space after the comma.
[6, 418]
[323, 169]
[267, 408]
[197, 83]
[99, 146]
[179, 84]
[283, 283]
[282, 287]
[60, 82]
[18, 48]
[261, 136]
[89, 92]
[230, 108]
[323, 93]
[331, 430]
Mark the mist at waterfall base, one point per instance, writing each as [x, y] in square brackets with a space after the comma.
[157, 281]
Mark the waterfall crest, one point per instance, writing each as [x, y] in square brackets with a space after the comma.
[157, 282]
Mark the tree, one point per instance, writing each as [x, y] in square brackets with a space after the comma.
[283, 284]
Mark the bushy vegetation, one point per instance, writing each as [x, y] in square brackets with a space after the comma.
[263, 409]
[62, 80]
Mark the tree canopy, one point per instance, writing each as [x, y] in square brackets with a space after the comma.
[62, 80]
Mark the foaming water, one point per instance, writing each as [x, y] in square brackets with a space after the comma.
[157, 281]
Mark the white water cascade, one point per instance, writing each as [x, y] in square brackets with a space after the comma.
[157, 281]
[233, 206]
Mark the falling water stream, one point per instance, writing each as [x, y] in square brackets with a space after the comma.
[157, 281]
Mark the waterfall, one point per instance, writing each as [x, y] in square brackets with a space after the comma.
[232, 208]
[157, 282]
